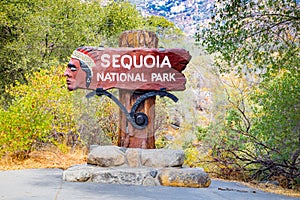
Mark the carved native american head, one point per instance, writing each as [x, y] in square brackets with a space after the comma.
[79, 68]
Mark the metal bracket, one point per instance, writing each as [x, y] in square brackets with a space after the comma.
[138, 120]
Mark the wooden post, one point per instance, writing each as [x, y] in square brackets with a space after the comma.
[129, 136]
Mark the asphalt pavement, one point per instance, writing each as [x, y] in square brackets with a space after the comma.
[48, 184]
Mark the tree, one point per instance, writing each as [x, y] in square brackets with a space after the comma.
[162, 26]
[259, 41]
[36, 34]
[40, 113]
[119, 16]
[261, 35]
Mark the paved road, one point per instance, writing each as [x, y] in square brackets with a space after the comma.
[47, 184]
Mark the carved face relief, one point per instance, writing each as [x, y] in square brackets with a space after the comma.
[75, 75]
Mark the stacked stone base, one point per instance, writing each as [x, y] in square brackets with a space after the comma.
[148, 167]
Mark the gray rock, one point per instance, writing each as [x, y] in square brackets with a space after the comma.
[162, 158]
[149, 181]
[114, 175]
[106, 156]
[127, 176]
[184, 177]
[78, 173]
[133, 157]
[134, 166]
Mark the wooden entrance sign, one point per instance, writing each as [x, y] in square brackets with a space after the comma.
[131, 68]
[135, 68]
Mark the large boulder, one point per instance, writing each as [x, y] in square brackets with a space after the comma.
[184, 177]
[78, 173]
[106, 156]
[111, 156]
[112, 175]
[160, 158]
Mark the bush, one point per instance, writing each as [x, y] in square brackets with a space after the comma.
[96, 119]
[257, 137]
[43, 111]
[40, 112]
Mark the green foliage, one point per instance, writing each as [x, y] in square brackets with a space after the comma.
[246, 38]
[191, 156]
[162, 26]
[161, 141]
[119, 16]
[38, 34]
[108, 119]
[259, 132]
[39, 113]
[163, 131]
[276, 120]
[201, 133]
[44, 111]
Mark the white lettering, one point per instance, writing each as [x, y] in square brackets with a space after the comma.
[104, 60]
[135, 61]
[123, 77]
[150, 64]
[166, 62]
[162, 77]
[143, 78]
[157, 61]
[172, 78]
[138, 77]
[107, 77]
[131, 77]
[114, 76]
[124, 64]
[115, 59]
[159, 78]
[153, 76]
[165, 76]
[99, 77]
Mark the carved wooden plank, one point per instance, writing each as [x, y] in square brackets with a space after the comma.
[131, 68]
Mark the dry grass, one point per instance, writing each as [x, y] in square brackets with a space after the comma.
[46, 158]
[267, 187]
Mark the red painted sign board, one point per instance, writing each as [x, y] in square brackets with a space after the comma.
[127, 68]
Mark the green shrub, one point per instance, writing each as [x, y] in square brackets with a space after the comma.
[40, 112]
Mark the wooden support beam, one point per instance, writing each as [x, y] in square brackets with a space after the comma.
[130, 137]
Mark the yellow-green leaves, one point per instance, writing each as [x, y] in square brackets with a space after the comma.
[40, 112]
